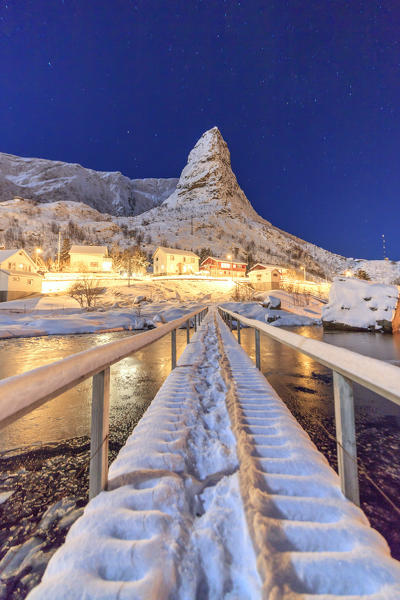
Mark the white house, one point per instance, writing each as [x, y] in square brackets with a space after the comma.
[265, 277]
[18, 275]
[170, 261]
[91, 259]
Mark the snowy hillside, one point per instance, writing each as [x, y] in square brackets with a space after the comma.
[209, 209]
[206, 209]
[49, 181]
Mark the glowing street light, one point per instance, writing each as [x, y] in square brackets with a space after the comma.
[37, 252]
[228, 256]
[348, 273]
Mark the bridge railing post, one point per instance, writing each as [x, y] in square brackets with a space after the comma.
[98, 469]
[187, 331]
[238, 331]
[173, 349]
[195, 323]
[346, 437]
[257, 348]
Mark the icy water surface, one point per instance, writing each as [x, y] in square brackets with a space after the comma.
[134, 382]
[306, 388]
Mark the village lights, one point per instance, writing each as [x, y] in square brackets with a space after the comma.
[228, 256]
[37, 252]
[348, 273]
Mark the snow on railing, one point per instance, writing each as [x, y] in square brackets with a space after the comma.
[347, 366]
[23, 393]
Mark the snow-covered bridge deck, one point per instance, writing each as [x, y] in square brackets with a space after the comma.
[219, 493]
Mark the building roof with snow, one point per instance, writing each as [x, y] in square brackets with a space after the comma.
[175, 251]
[224, 260]
[102, 250]
[5, 254]
[262, 266]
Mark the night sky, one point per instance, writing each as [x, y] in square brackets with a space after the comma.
[306, 94]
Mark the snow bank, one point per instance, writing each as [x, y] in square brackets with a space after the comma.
[278, 318]
[360, 305]
[58, 321]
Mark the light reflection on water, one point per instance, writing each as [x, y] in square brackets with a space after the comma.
[134, 381]
[291, 372]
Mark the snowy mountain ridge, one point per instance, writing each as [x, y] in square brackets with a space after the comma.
[51, 181]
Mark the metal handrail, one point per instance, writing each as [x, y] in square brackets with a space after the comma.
[347, 366]
[20, 394]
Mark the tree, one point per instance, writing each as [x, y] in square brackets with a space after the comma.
[205, 253]
[64, 254]
[86, 291]
[361, 274]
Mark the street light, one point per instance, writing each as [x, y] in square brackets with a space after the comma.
[37, 252]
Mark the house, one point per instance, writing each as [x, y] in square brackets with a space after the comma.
[170, 261]
[221, 267]
[265, 277]
[92, 259]
[18, 275]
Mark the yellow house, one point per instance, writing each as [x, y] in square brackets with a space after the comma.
[170, 261]
[265, 277]
[90, 259]
[18, 275]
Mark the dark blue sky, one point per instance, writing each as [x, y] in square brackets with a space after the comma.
[306, 94]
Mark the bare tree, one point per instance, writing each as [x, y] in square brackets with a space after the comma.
[86, 291]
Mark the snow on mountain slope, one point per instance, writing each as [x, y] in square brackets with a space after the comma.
[209, 209]
[206, 209]
[49, 181]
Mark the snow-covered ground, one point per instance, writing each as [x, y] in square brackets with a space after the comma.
[362, 305]
[220, 494]
[116, 309]
[278, 318]
[144, 304]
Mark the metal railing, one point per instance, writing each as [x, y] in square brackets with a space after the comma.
[348, 367]
[21, 394]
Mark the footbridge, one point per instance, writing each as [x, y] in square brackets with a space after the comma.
[219, 493]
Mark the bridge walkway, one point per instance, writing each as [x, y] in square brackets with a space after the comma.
[219, 493]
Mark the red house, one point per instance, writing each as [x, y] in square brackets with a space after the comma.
[222, 267]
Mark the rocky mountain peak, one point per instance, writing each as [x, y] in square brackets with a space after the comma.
[209, 180]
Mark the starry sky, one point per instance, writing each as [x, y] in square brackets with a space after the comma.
[306, 93]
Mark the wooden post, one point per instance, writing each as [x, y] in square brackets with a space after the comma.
[257, 345]
[346, 437]
[195, 323]
[238, 331]
[173, 349]
[187, 331]
[230, 322]
[98, 469]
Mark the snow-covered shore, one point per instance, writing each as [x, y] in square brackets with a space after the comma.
[361, 306]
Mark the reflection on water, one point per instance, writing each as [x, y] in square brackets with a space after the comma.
[134, 382]
[292, 372]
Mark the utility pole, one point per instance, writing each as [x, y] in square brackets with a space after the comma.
[59, 251]
[384, 246]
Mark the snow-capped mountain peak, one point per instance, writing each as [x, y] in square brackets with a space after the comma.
[208, 178]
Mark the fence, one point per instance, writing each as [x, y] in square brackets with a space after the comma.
[21, 394]
[347, 366]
